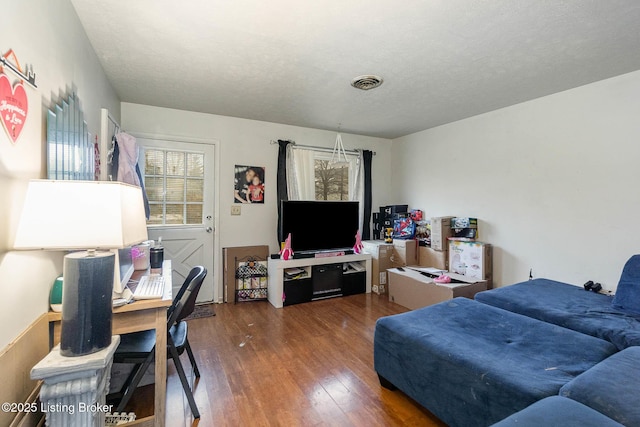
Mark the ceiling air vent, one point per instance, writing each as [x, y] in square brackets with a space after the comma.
[366, 82]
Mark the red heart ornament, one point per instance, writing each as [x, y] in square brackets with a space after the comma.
[13, 107]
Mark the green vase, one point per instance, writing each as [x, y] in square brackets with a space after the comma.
[55, 297]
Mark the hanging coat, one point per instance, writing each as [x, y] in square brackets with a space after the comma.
[128, 159]
[128, 170]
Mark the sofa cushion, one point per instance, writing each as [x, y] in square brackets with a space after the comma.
[557, 411]
[628, 292]
[611, 387]
[473, 364]
[568, 306]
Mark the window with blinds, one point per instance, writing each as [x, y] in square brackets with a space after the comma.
[174, 181]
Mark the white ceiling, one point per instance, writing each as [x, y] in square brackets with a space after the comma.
[292, 61]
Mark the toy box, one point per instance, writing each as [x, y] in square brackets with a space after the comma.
[471, 259]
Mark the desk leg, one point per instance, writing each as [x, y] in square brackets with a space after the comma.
[161, 368]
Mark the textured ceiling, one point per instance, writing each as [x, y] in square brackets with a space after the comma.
[292, 61]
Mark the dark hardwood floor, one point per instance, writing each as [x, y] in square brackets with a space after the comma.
[304, 365]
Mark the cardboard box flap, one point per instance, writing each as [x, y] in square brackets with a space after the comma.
[458, 280]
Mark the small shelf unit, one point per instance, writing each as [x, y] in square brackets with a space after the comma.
[251, 279]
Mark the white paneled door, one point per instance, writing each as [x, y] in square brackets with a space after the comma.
[179, 180]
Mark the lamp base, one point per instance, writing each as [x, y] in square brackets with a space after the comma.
[86, 303]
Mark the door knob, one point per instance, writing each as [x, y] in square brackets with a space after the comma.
[209, 230]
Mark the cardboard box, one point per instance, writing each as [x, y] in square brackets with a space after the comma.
[460, 222]
[381, 254]
[471, 259]
[387, 211]
[428, 257]
[411, 289]
[405, 252]
[440, 232]
[238, 254]
[465, 233]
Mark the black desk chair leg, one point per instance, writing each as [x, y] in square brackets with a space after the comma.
[192, 359]
[134, 379]
[183, 379]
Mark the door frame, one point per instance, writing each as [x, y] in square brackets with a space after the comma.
[218, 294]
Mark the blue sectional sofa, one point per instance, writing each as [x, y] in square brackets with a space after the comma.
[475, 363]
[557, 411]
[568, 306]
[605, 395]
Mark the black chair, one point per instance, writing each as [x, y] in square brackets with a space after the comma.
[139, 347]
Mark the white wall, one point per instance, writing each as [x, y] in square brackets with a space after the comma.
[246, 142]
[552, 181]
[47, 35]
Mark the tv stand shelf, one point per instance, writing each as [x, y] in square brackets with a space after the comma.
[277, 267]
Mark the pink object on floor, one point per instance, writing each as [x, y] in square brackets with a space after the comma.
[442, 279]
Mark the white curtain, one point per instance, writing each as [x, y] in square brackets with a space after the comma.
[356, 179]
[301, 180]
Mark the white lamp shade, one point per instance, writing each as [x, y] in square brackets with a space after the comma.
[71, 215]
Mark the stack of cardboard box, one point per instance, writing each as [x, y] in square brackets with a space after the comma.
[437, 255]
[385, 218]
[384, 256]
[453, 248]
[381, 261]
[461, 255]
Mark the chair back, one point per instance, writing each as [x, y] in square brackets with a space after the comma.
[185, 301]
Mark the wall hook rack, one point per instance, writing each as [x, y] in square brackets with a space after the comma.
[30, 77]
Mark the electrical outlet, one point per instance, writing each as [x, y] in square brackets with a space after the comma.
[235, 209]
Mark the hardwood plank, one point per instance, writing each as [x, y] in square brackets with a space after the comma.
[303, 365]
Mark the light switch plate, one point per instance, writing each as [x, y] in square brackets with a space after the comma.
[235, 209]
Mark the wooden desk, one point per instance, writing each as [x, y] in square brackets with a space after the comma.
[141, 316]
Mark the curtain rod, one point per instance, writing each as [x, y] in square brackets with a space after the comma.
[315, 147]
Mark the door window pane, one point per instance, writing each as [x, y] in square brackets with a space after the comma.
[194, 214]
[195, 165]
[175, 190]
[195, 190]
[175, 214]
[155, 217]
[154, 162]
[154, 187]
[174, 182]
[175, 163]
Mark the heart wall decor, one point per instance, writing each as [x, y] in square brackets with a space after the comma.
[13, 107]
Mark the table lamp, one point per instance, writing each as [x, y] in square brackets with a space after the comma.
[92, 217]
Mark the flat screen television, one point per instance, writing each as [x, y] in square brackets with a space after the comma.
[319, 225]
